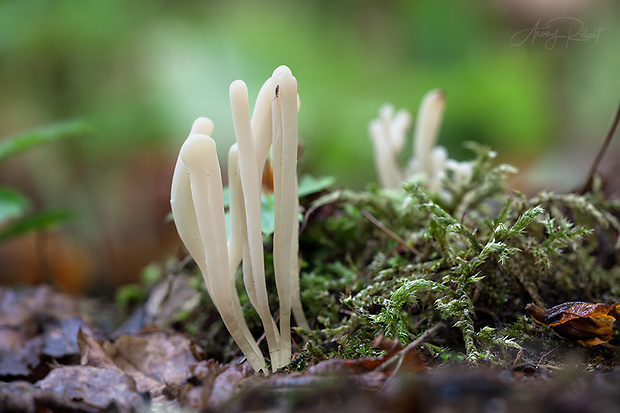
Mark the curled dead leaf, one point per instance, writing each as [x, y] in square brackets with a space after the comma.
[589, 324]
[105, 389]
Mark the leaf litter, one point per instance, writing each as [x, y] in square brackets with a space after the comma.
[54, 360]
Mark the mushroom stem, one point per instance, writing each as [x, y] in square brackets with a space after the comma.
[298, 310]
[198, 210]
[261, 124]
[286, 240]
[238, 237]
[426, 131]
[235, 201]
[282, 162]
[388, 137]
[250, 185]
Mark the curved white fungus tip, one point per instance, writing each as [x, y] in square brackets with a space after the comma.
[374, 129]
[386, 112]
[194, 148]
[280, 71]
[203, 126]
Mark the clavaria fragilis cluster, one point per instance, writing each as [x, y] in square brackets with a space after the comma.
[429, 163]
[198, 211]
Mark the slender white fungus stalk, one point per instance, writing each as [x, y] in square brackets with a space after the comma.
[250, 184]
[284, 115]
[261, 124]
[388, 137]
[198, 210]
[438, 157]
[430, 115]
[429, 163]
[287, 105]
[235, 214]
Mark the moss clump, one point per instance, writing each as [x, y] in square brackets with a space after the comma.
[469, 254]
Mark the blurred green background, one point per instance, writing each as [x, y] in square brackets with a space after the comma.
[140, 72]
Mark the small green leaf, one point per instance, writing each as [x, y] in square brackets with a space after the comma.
[12, 204]
[36, 222]
[267, 214]
[310, 185]
[25, 141]
[129, 294]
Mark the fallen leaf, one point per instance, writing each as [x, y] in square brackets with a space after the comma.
[154, 359]
[212, 384]
[92, 352]
[106, 389]
[36, 324]
[17, 397]
[343, 366]
[409, 361]
[21, 362]
[61, 340]
[589, 324]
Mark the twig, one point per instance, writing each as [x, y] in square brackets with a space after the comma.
[389, 232]
[313, 209]
[545, 355]
[610, 133]
[397, 360]
[409, 348]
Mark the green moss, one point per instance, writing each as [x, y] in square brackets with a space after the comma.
[473, 256]
[470, 256]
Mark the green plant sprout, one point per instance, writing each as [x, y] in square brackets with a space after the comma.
[14, 217]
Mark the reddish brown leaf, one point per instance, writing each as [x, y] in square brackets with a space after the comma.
[342, 366]
[589, 324]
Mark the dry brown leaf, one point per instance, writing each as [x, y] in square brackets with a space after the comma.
[212, 384]
[589, 324]
[36, 324]
[92, 352]
[227, 383]
[101, 388]
[154, 359]
[24, 307]
[17, 397]
[61, 339]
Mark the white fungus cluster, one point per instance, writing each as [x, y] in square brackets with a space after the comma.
[198, 211]
[429, 163]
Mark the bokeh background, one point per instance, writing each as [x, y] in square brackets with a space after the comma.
[140, 72]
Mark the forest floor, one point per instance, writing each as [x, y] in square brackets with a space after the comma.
[56, 359]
